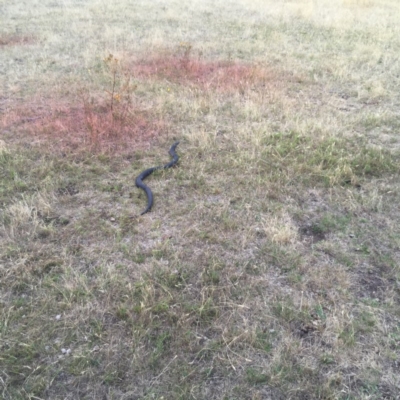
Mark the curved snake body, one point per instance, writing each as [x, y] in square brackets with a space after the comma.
[139, 180]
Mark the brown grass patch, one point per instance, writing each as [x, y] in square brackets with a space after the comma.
[87, 126]
[15, 39]
[221, 75]
[113, 119]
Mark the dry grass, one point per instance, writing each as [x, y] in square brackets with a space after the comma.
[15, 39]
[269, 265]
[115, 119]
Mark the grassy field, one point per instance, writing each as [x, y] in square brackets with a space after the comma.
[269, 266]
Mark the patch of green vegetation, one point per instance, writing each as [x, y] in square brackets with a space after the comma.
[348, 335]
[205, 311]
[327, 359]
[111, 187]
[263, 341]
[330, 161]
[320, 312]
[23, 352]
[160, 251]
[161, 344]
[252, 269]
[255, 377]
[160, 307]
[81, 364]
[372, 121]
[365, 322]
[384, 260]
[394, 337]
[285, 310]
[287, 371]
[371, 302]
[139, 257]
[122, 313]
[282, 256]
[15, 177]
[174, 279]
[337, 252]
[96, 329]
[330, 222]
[211, 276]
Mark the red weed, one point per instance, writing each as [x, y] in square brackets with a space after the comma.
[85, 127]
[217, 75]
[14, 39]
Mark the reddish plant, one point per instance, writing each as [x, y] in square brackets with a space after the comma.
[83, 127]
[15, 39]
[217, 75]
[110, 119]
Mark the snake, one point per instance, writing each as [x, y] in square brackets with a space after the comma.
[139, 180]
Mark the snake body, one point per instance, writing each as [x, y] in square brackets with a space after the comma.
[139, 180]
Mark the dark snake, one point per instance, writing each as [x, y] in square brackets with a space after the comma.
[139, 180]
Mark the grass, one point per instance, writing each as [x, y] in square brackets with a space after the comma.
[269, 264]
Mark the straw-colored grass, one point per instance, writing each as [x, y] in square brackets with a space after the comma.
[268, 267]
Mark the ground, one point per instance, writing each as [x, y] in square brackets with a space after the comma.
[269, 266]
